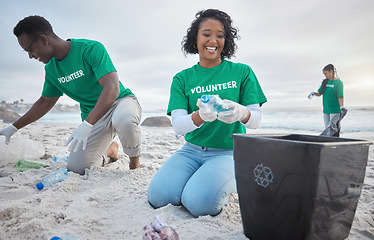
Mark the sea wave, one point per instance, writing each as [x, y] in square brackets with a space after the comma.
[356, 120]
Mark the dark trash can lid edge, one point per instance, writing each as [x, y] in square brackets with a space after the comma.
[273, 137]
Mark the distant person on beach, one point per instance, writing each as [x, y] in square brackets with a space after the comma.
[83, 70]
[333, 97]
[201, 175]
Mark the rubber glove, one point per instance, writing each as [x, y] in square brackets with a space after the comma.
[205, 113]
[8, 132]
[236, 113]
[79, 136]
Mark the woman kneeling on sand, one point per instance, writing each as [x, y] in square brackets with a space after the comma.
[200, 176]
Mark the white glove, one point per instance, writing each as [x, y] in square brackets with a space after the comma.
[205, 113]
[236, 113]
[80, 135]
[8, 132]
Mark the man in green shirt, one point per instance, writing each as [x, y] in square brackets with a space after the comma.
[83, 70]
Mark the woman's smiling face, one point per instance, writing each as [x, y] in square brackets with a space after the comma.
[210, 42]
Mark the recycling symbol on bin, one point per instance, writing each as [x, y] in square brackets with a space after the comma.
[263, 175]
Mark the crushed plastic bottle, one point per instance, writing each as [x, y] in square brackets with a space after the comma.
[213, 102]
[53, 178]
[354, 191]
[159, 229]
[60, 158]
[66, 237]
[25, 164]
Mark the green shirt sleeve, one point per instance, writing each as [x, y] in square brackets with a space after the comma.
[97, 57]
[251, 91]
[177, 98]
[339, 89]
[320, 88]
[50, 90]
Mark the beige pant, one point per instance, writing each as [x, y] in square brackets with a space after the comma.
[123, 118]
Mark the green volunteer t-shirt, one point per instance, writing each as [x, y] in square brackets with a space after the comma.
[78, 73]
[330, 102]
[233, 81]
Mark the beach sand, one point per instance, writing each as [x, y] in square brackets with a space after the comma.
[110, 202]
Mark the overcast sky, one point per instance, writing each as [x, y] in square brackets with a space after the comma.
[287, 43]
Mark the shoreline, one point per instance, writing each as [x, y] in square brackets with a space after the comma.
[110, 202]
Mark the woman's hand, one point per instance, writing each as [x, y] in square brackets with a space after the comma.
[236, 113]
[205, 113]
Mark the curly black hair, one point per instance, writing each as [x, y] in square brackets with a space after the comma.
[33, 26]
[231, 33]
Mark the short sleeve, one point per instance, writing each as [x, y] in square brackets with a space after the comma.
[340, 90]
[50, 90]
[178, 99]
[98, 58]
[251, 91]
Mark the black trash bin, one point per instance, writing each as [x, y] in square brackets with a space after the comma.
[298, 186]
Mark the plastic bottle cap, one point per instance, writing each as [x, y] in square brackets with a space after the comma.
[40, 186]
[55, 238]
[205, 98]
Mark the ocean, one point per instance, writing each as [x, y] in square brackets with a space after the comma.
[356, 120]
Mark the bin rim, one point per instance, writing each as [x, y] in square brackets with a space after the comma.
[270, 137]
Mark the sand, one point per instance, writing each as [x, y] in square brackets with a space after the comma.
[110, 202]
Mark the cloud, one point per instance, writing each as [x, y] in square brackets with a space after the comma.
[287, 43]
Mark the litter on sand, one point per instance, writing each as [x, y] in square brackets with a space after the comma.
[159, 230]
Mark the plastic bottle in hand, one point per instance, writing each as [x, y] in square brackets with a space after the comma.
[311, 95]
[60, 158]
[53, 178]
[213, 102]
[66, 237]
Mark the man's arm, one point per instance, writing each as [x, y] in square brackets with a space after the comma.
[38, 110]
[108, 95]
[110, 84]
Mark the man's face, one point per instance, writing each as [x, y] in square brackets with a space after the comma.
[36, 47]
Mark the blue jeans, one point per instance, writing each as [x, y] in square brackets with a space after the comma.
[327, 118]
[199, 178]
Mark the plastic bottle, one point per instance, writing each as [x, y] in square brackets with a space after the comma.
[60, 158]
[53, 178]
[353, 191]
[24, 164]
[311, 95]
[66, 237]
[213, 102]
